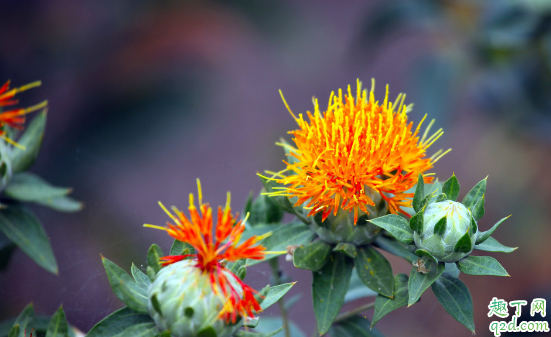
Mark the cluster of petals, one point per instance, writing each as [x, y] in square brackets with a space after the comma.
[15, 118]
[355, 146]
[214, 247]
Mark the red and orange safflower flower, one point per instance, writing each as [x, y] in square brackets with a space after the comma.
[15, 118]
[356, 144]
[214, 247]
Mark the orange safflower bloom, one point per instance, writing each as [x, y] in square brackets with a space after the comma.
[15, 118]
[355, 145]
[213, 249]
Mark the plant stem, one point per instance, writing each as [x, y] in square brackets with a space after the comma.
[274, 264]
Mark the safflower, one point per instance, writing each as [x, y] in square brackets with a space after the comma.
[357, 146]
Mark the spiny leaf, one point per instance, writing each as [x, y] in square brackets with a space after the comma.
[117, 322]
[275, 293]
[58, 325]
[440, 226]
[153, 255]
[481, 265]
[418, 196]
[474, 194]
[451, 188]
[492, 245]
[312, 256]
[416, 221]
[419, 282]
[478, 209]
[24, 229]
[385, 305]
[464, 245]
[374, 270]
[483, 236]
[455, 298]
[134, 296]
[329, 287]
[395, 225]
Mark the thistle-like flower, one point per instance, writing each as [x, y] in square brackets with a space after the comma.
[197, 291]
[15, 118]
[355, 152]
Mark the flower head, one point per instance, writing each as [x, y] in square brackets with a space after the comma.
[354, 147]
[15, 118]
[213, 249]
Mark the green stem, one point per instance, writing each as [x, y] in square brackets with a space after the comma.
[274, 264]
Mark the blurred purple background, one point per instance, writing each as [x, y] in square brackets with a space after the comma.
[146, 96]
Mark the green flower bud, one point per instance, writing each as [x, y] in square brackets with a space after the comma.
[447, 232]
[341, 228]
[182, 301]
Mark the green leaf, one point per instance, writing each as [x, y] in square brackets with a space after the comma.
[357, 289]
[395, 248]
[416, 222]
[346, 248]
[481, 265]
[355, 326]
[140, 277]
[374, 270]
[293, 234]
[25, 320]
[464, 245]
[181, 248]
[451, 188]
[153, 255]
[483, 236]
[140, 330]
[395, 225]
[58, 325]
[274, 294]
[268, 324]
[134, 296]
[23, 228]
[424, 253]
[22, 160]
[474, 194]
[441, 197]
[61, 204]
[492, 245]
[312, 256]
[440, 226]
[15, 331]
[419, 194]
[478, 209]
[30, 187]
[265, 210]
[329, 287]
[117, 322]
[419, 282]
[385, 305]
[455, 298]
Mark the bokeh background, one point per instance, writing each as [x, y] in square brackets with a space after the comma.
[146, 96]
